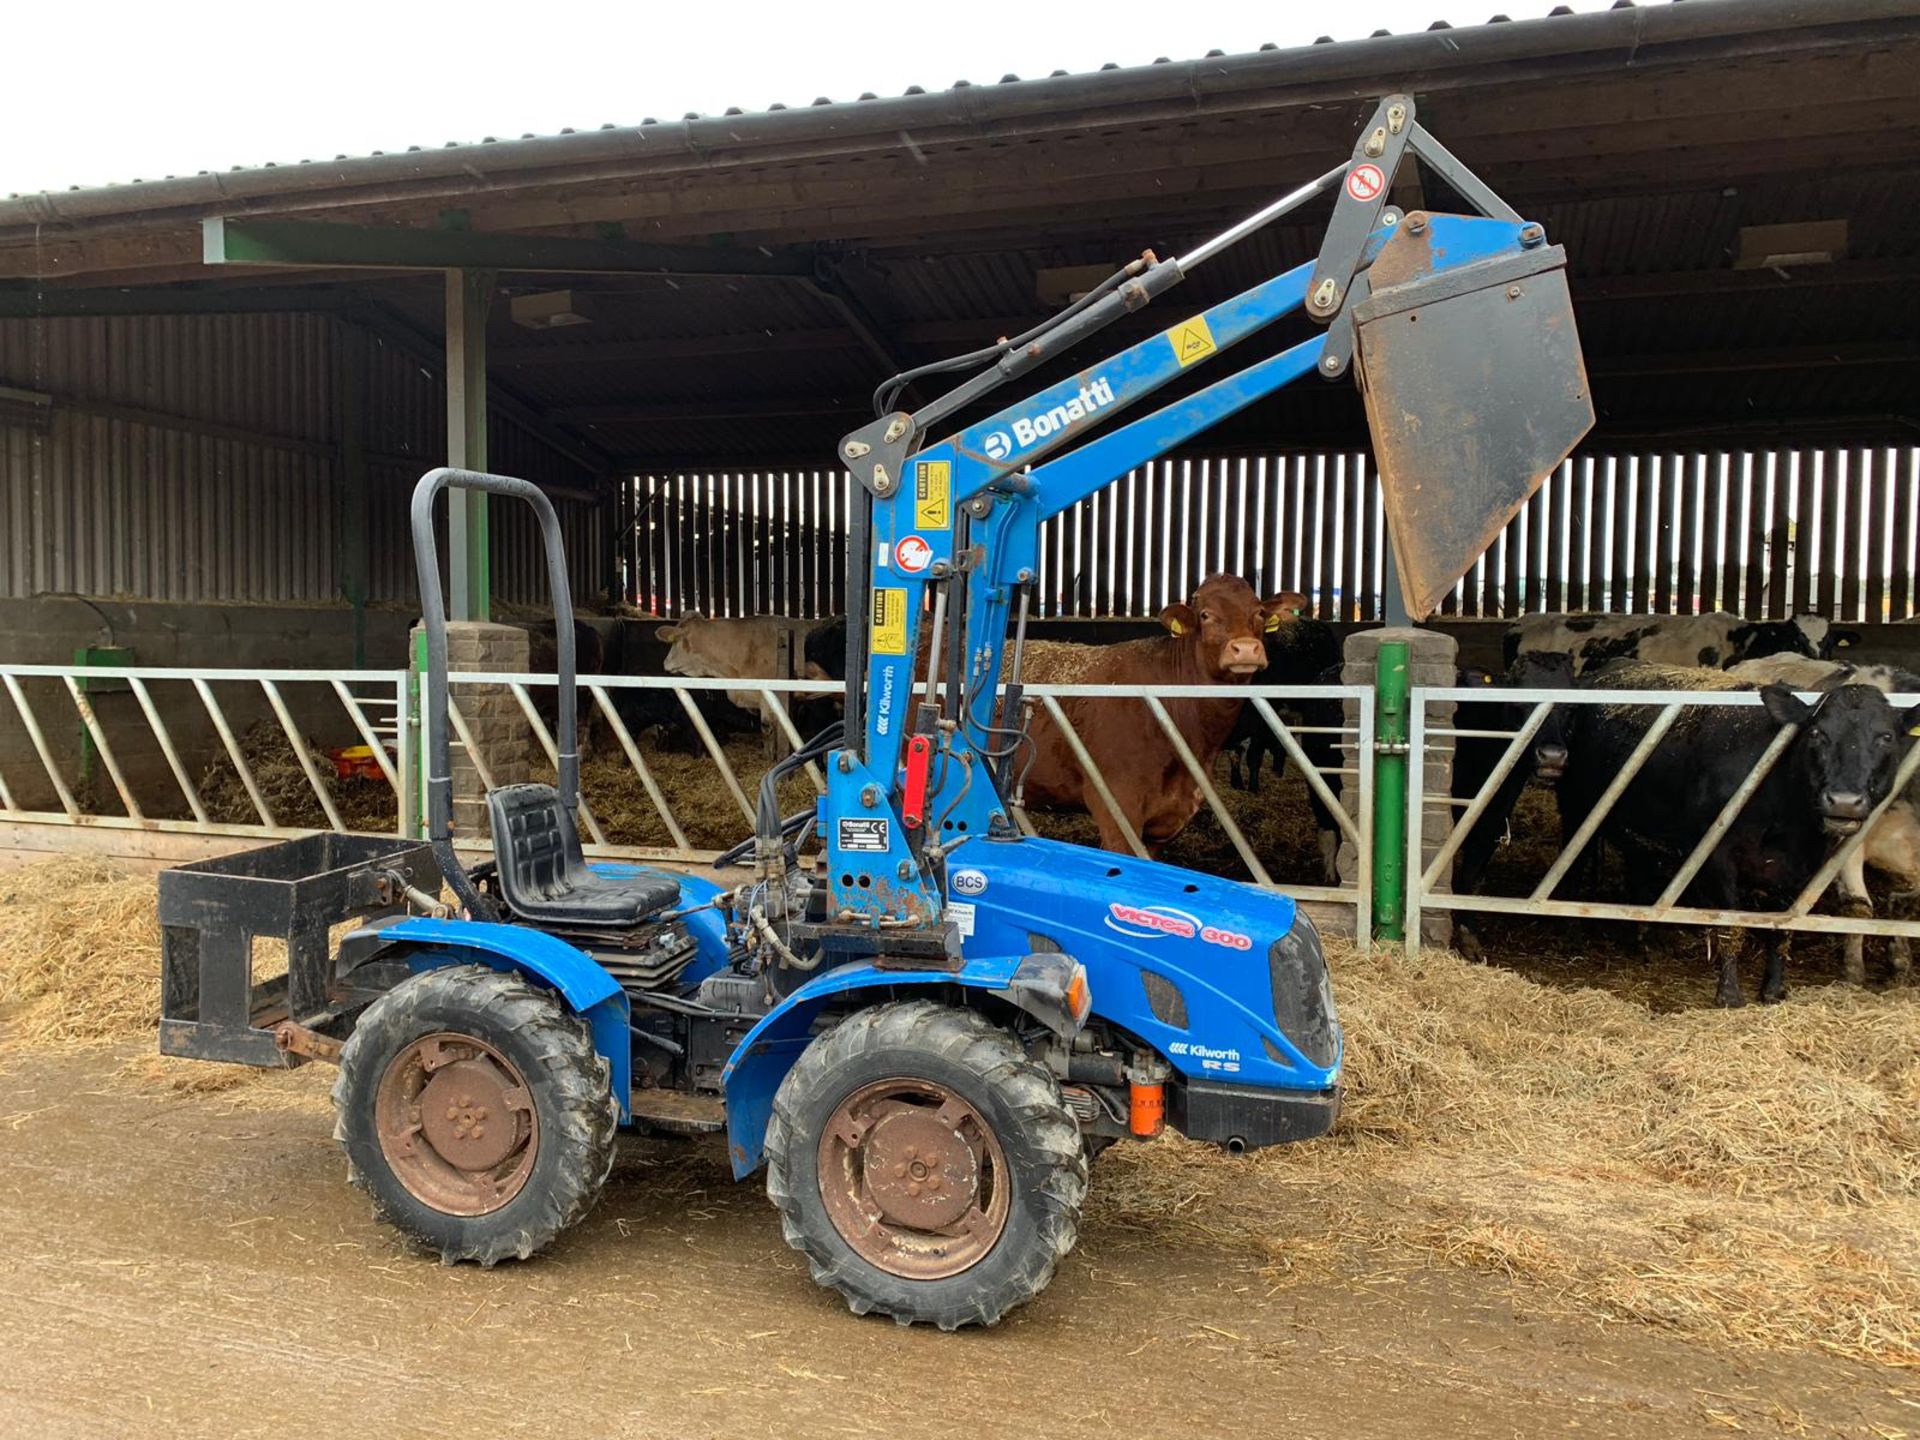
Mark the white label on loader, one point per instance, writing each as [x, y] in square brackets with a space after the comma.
[864, 834]
[961, 913]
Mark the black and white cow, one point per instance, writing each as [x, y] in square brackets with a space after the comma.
[1838, 767]
[1712, 641]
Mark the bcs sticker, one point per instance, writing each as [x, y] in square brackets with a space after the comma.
[913, 554]
[968, 882]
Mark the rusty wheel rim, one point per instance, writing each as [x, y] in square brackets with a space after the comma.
[914, 1179]
[456, 1124]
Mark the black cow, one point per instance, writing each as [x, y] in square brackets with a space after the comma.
[1300, 652]
[1836, 769]
[826, 650]
[659, 714]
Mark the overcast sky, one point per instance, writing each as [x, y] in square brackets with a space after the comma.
[122, 89]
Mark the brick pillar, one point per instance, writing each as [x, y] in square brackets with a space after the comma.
[1431, 660]
[494, 717]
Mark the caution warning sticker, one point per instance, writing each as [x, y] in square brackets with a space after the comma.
[889, 622]
[1191, 340]
[932, 495]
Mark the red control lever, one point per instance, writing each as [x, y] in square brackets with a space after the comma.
[913, 801]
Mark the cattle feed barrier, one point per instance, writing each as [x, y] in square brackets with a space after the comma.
[126, 748]
[120, 749]
[1428, 879]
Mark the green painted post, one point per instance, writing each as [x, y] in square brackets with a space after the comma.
[414, 736]
[1390, 793]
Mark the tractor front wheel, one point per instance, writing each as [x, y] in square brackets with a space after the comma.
[475, 1111]
[925, 1166]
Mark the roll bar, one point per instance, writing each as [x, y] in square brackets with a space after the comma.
[433, 616]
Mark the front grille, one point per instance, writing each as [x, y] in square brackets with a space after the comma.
[1168, 1004]
[1302, 994]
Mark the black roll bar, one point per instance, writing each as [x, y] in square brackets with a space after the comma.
[433, 616]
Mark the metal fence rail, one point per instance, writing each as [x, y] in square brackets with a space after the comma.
[55, 724]
[1427, 877]
[54, 728]
[1354, 740]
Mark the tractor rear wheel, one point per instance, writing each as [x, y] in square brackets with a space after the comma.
[475, 1111]
[925, 1166]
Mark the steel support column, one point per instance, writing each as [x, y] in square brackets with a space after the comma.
[469, 557]
[354, 559]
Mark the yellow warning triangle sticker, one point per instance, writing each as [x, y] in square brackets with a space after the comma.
[1191, 340]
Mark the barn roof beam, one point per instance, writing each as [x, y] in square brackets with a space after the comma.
[791, 408]
[299, 243]
[690, 347]
[1734, 362]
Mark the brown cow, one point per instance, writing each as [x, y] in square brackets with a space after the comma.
[1217, 638]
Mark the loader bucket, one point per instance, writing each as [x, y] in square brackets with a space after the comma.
[1475, 391]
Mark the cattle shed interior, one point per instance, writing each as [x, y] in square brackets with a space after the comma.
[217, 389]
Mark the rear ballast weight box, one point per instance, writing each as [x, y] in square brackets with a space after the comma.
[211, 1008]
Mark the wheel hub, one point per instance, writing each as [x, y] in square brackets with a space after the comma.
[464, 1114]
[456, 1124]
[913, 1178]
[919, 1172]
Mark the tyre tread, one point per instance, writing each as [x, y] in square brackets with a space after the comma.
[973, 1042]
[589, 1114]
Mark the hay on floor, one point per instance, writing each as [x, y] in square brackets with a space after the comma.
[1746, 1176]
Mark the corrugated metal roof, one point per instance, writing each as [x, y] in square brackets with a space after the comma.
[1644, 138]
[1556, 13]
[1348, 69]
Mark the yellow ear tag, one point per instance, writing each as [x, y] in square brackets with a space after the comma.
[1914, 731]
[1174, 627]
[1273, 623]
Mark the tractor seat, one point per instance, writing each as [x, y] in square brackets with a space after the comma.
[544, 877]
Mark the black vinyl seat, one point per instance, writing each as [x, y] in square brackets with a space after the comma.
[544, 877]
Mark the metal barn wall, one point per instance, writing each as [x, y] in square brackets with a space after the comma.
[196, 458]
[1773, 532]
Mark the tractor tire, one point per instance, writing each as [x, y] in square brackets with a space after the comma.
[925, 1166]
[475, 1111]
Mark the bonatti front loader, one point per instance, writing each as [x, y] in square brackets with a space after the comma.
[924, 1035]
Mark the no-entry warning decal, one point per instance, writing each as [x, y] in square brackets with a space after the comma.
[913, 554]
[1365, 182]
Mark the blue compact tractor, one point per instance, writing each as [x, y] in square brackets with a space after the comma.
[925, 1031]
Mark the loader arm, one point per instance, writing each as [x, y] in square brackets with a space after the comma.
[1467, 357]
